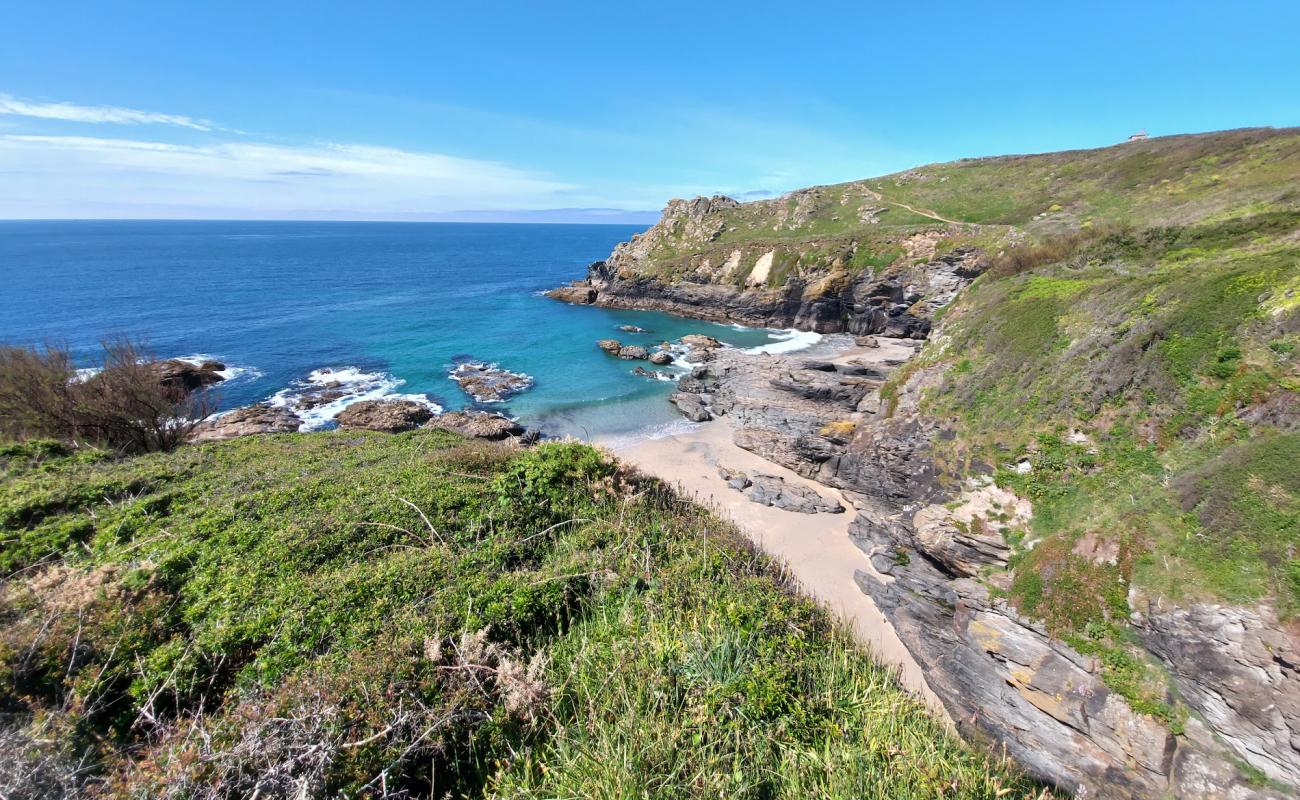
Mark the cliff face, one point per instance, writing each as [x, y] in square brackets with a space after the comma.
[1077, 503]
[695, 262]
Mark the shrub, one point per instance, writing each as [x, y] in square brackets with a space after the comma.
[1058, 248]
[123, 406]
[542, 479]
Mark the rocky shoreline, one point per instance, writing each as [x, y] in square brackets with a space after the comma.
[482, 382]
[1000, 675]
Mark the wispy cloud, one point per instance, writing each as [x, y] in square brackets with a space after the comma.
[115, 115]
[91, 176]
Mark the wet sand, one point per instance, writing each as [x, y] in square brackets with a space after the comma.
[815, 547]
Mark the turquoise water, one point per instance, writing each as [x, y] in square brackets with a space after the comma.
[390, 307]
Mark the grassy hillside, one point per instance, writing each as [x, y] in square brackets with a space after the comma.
[1157, 181]
[1146, 383]
[992, 203]
[416, 615]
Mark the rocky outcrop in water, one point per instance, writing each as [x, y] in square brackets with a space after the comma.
[188, 376]
[632, 352]
[488, 383]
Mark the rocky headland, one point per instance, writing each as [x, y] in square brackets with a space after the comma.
[1043, 493]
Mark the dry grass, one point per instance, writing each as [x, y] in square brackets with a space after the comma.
[124, 406]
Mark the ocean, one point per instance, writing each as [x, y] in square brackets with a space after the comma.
[382, 308]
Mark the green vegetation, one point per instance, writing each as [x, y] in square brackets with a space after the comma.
[417, 615]
[1156, 182]
[1147, 376]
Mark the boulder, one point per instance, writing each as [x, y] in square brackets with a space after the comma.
[610, 346]
[734, 478]
[700, 341]
[661, 358]
[773, 490]
[632, 351]
[247, 421]
[632, 329]
[691, 405]
[488, 383]
[477, 424]
[389, 416]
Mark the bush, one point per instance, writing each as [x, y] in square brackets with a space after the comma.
[123, 406]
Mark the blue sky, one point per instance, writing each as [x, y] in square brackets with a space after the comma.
[495, 110]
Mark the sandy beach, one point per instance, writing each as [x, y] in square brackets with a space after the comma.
[816, 547]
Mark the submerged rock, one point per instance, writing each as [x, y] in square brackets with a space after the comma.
[477, 424]
[247, 421]
[312, 400]
[389, 416]
[488, 383]
[653, 374]
[632, 329]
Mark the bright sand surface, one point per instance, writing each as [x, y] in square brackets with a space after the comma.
[815, 547]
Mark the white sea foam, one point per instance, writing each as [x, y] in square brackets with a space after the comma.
[352, 384]
[787, 341]
[230, 373]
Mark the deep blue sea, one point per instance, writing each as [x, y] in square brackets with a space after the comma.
[387, 308]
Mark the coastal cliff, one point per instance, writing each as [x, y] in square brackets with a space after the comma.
[1076, 503]
[715, 259]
